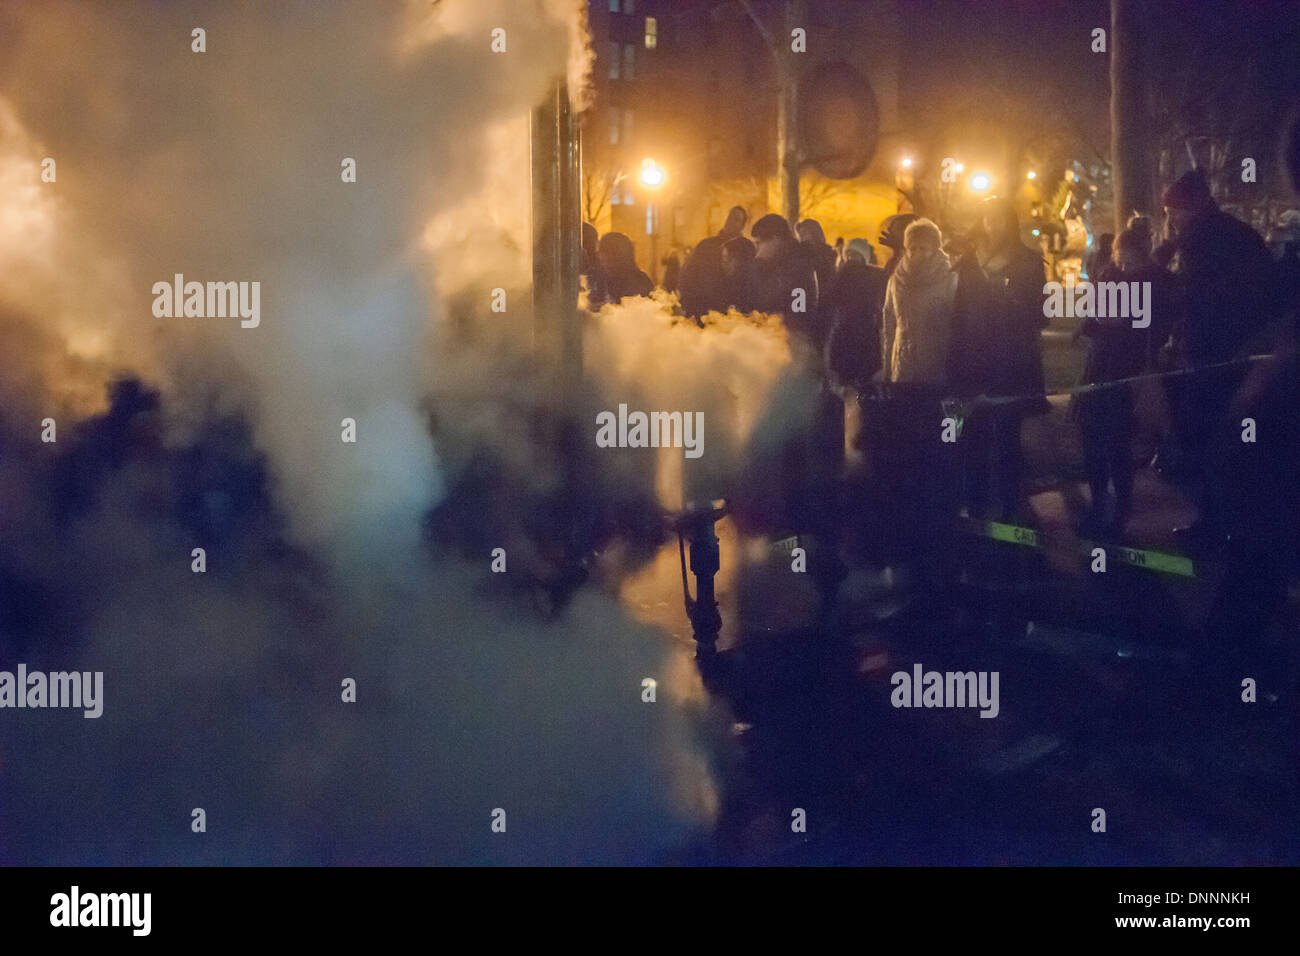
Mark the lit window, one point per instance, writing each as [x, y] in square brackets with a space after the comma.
[613, 127]
[629, 64]
[651, 33]
[613, 6]
[628, 198]
[649, 218]
[613, 61]
[627, 127]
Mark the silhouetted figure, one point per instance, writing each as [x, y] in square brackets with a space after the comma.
[104, 443]
[1261, 507]
[782, 281]
[1224, 282]
[1007, 328]
[813, 240]
[856, 298]
[821, 255]
[590, 270]
[1144, 227]
[1100, 258]
[618, 262]
[703, 283]
[737, 258]
[672, 274]
[1116, 350]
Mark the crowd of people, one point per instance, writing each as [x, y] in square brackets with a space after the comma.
[959, 318]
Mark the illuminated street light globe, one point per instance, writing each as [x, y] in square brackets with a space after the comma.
[651, 173]
[980, 182]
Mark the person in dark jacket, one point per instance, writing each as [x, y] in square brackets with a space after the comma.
[592, 275]
[782, 280]
[853, 354]
[1224, 282]
[1101, 257]
[1116, 350]
[672, 274]
[1223, 271]
[822, 254]
[996, 351]
[737, 257]
[812, 240]
[702, 280]
[618, 262]
[1017, 277]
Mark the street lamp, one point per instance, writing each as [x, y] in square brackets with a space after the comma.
[905, 181]
[651, 173]
[1031, 175]
[980, 182]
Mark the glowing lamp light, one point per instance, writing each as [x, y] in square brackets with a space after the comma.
[1031, 175]
[906, 162]
[980, 182]
[651, 174]
[960, 167]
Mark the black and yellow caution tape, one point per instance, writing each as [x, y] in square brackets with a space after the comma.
[1161, 561]
[964, 406]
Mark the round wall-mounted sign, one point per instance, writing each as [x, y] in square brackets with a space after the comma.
[839, 124]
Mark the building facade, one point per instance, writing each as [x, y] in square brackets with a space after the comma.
[688, 89]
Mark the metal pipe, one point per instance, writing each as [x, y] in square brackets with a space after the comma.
[557, 237]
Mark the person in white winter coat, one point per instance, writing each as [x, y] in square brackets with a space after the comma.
[918, 313]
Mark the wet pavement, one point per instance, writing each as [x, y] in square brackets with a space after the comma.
[1110, 698]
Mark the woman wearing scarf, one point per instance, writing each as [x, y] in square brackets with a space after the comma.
[914, 468]
[917, 327]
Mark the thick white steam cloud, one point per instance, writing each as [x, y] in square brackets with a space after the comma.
[222, 690]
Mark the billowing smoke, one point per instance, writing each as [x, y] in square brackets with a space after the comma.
[222, 689]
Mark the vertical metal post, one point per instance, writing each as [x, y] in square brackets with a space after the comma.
[1130, 158]
[557, 238]
[787, 112]
[706, 560]
[569, 219]
[787, 138]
